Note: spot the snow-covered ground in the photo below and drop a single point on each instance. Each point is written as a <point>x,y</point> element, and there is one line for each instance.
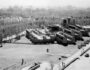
<point>11,54</point>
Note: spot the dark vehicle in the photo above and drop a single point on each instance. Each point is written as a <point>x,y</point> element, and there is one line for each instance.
<point>53,29</point>
<point>49,38</point>
<point>84,31</point>
<point>61,39</point>
<point>69,32</point>
<point>77,33</point>
<point>70,38</point>
<point>35,37</point>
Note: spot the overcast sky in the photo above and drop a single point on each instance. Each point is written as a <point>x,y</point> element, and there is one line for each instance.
<point>44,3</point>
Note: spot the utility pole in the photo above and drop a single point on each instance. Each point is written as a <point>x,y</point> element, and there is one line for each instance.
<point>1,39</point>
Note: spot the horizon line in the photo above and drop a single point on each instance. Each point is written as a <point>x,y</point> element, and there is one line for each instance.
<point>48,7</point>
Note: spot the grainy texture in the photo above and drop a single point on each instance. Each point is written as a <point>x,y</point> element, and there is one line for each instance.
<point>12,53</point>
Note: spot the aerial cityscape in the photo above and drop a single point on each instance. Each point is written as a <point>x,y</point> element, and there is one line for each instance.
<point>44,34</point>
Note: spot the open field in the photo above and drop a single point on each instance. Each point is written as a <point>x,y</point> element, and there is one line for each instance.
<point>11,54</point>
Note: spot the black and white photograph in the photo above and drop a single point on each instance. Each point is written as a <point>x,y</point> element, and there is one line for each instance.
<point>44,34</point>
